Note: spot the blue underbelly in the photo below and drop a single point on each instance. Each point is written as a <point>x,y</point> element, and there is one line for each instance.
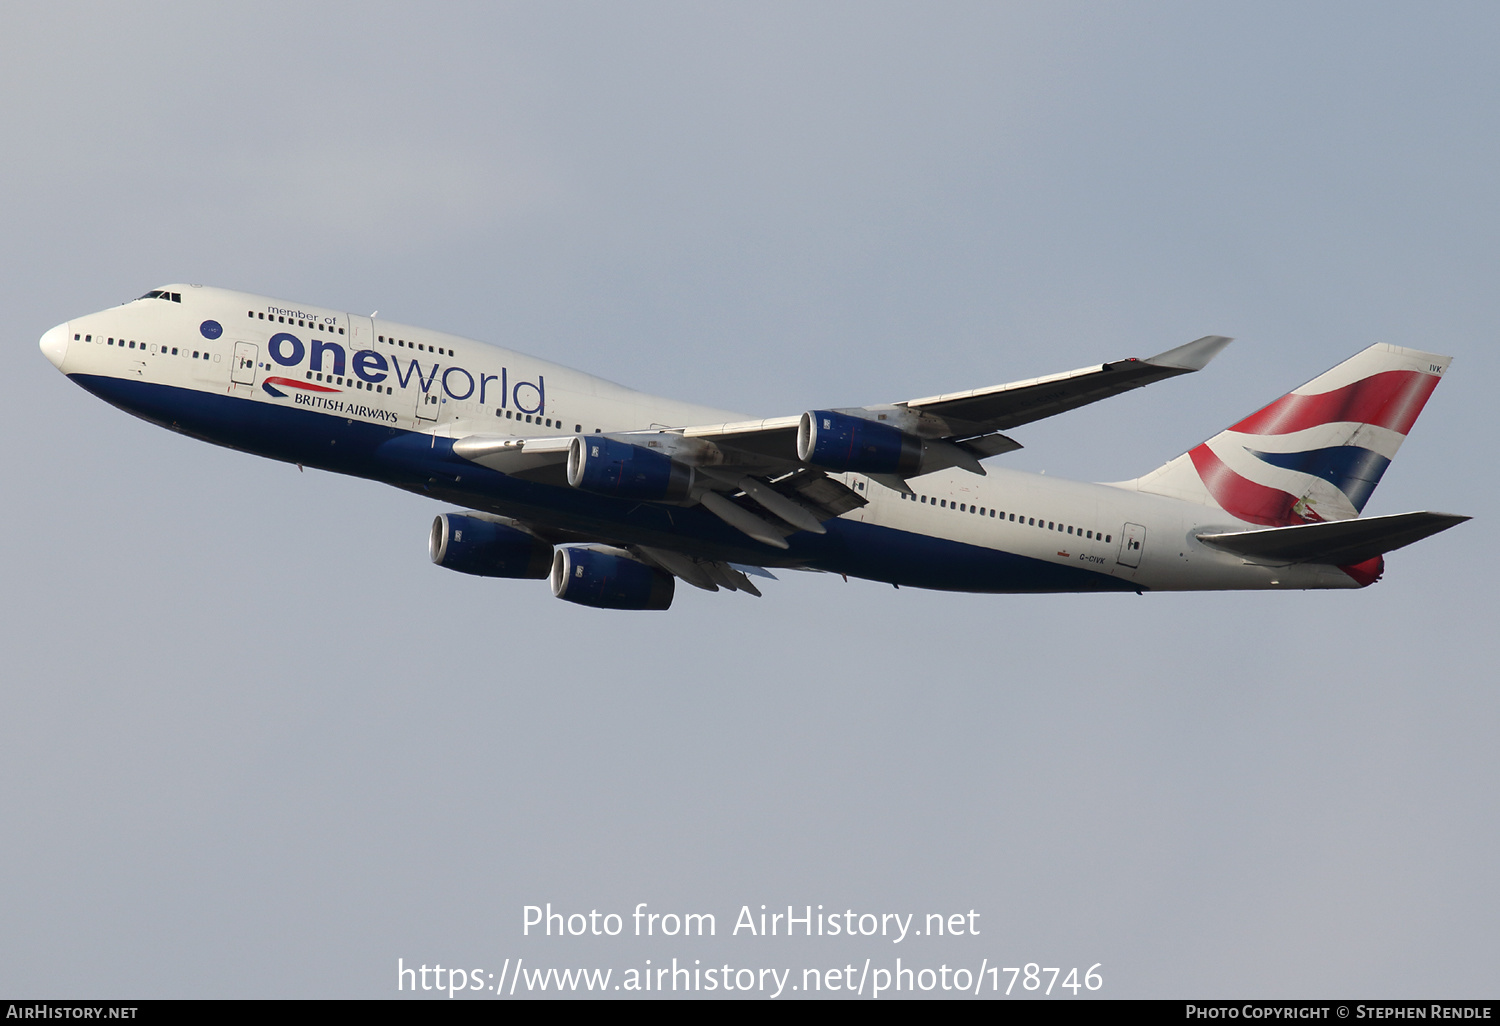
<point>424,464</point>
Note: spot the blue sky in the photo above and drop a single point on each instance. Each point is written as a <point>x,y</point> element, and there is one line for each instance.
<point>256,745</point>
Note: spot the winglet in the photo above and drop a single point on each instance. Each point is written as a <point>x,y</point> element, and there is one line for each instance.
<point>1193,356</point>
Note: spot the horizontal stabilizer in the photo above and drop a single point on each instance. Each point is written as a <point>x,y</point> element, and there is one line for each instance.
<point>1337,543</point>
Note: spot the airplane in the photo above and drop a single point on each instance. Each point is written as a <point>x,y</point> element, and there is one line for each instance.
<point>614,495</point>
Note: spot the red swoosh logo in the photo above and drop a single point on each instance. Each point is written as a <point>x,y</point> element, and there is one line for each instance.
<point>306,386</point>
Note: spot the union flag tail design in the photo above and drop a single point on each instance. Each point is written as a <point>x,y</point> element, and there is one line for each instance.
<point>1315,454</point>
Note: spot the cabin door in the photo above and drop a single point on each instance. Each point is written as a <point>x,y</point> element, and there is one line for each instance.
<point>1131,544</point>
<point>243,372</point>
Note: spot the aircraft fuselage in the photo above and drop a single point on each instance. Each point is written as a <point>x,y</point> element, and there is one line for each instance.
<point>375,399</point>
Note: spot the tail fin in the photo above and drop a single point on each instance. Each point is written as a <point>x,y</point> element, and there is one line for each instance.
<point>1316,453</point>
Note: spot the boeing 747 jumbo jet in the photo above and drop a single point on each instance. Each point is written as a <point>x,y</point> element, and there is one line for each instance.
<point>615,494</point>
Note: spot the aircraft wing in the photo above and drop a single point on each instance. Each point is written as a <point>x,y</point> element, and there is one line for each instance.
<point>771,444</point>
<point>972,419</point>
<point>750,474</point>
<point>984,410</point>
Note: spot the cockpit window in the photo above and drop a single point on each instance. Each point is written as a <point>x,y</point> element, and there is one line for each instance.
<point>174,297</point>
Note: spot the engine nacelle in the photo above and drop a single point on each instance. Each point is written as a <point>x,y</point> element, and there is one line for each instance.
<point>604,580</point>
<point>472,544</point>
<point>837,441</point>
<point>606,466</point>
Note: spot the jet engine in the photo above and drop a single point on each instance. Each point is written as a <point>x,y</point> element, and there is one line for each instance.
<point>839,442</point>
<point>474,544</point>
<point>607,466</point>
<point>606,580</point>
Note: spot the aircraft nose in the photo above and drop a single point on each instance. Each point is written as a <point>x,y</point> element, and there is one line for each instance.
<point>55,344</point>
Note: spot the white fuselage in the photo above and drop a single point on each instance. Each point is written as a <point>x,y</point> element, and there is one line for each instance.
<point>161,359</point>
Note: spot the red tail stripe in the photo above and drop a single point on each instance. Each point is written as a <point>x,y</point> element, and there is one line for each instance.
<point>1241,497</point>
<point>1391,399</point>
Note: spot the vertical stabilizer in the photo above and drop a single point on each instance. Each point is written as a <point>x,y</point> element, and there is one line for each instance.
<point>1315,454</point>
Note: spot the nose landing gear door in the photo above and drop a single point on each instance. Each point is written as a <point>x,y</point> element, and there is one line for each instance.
<point>243,372</point>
